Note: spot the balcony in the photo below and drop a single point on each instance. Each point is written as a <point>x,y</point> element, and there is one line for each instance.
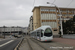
<point>70,13</point>
<point>47,12</point>
<point>65,19</point>
<point>64,12</point>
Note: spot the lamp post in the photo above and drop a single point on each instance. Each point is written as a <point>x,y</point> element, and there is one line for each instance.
<point>4,31</point>
<point>60,17</point>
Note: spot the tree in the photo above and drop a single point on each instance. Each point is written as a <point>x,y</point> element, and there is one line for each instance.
<point>74,18</point>
<point>74,23</point>
<point>69,26</point>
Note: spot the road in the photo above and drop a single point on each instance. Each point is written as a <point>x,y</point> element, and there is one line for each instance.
<point>9,44</point>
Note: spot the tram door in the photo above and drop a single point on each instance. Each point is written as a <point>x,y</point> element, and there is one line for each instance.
<point>38,34</point>
<point>35,34</point>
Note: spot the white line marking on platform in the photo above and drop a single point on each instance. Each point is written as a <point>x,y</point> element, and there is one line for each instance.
<point>6,43</point>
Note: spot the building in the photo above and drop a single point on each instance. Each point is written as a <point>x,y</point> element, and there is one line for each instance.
<point>25,30</point>
<point>31,23</point>
<point>45,15</point>
<point>30,26</point>
<point>10,30</point>
<point>28,29</point>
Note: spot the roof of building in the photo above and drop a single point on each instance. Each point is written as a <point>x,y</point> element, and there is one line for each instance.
<point>51,7</point>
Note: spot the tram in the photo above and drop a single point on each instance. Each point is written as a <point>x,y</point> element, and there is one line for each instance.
<point>43,33</point>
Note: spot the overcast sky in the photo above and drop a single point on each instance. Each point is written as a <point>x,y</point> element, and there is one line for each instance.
<point>18,12</point>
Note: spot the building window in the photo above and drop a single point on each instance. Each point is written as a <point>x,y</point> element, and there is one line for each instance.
<point>46,9</point>
<point>52,10</point>
<point>42,9</point>
<point>55,29</point>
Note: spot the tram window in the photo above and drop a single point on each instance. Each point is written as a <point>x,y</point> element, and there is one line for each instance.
<point>48,32</point>
<point>32,34</point>
<point>42,33</point>
<point>38,33</point>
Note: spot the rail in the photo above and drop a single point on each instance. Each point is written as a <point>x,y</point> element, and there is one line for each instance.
<point>38,43</point>
<point>29,44</point>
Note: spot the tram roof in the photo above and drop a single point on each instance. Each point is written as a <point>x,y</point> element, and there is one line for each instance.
<point>42,27</point>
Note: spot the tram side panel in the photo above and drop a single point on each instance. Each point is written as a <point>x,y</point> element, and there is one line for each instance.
<point>45,34</point>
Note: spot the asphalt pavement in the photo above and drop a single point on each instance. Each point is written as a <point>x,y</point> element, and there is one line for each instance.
<point>9,44</point>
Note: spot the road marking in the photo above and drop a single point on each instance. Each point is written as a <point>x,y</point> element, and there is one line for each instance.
<point>6,43</point>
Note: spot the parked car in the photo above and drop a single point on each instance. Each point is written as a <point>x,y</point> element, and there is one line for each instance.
<point>18,36</point>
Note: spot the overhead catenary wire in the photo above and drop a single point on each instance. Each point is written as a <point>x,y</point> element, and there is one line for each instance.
<point>54,1</point>
<point>52,12</point>
<point>33,3</point>
<point>70,3</point>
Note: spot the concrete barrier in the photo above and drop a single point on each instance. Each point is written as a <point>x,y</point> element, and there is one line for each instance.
<point>17,47</point>
<point>69,36</point>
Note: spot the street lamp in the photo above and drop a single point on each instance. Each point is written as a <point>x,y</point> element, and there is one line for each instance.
<point>4,31</point>
<point>60,17</point>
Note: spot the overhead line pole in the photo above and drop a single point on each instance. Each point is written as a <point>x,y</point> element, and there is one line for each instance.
<point>60,18</point>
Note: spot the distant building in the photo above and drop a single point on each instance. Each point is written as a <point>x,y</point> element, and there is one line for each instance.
<point>25,30</point>
<point>31,23</point>
<point>28,29</point>
<point>11,30</point>
<point>30,26</point>
<point>45,15</point>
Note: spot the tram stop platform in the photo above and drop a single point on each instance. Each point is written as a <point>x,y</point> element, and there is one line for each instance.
<point>65,41</point>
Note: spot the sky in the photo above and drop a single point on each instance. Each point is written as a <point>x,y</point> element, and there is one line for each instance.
<point>18,12</point>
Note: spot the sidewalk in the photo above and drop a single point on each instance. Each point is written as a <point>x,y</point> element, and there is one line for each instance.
<point>7,37</point>
<point>65,41</point>
<point>1,39</point>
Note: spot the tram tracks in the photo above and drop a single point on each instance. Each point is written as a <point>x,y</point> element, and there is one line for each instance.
<point>53,45</point>
<point>29,44</point>
<point>33,45</point>
<point>37,42</point>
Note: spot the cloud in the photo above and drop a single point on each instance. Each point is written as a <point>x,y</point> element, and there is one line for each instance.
<point>18,12</point>
<point>14,23</point>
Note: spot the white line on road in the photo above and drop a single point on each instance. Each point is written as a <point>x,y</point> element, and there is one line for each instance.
<point>6,43</point>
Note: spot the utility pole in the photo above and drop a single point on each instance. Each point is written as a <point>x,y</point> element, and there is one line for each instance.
<point>60,17</point>
<point>4,31</point>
